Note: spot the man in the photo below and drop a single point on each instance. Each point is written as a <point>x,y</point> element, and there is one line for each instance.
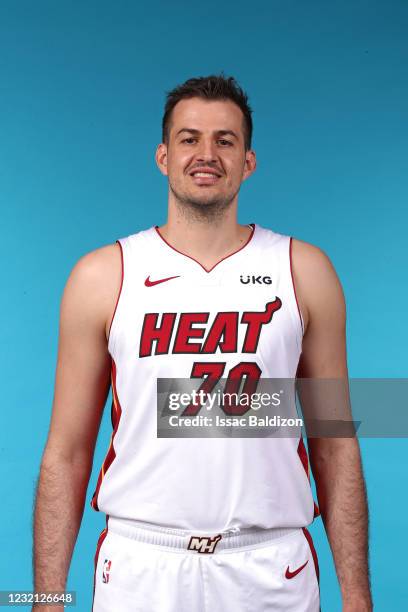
<point>201,297</point>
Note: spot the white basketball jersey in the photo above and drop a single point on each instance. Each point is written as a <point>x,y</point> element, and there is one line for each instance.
<point>175,319</point>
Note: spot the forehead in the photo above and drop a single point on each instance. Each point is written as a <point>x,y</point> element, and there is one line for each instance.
<point>203,115</point>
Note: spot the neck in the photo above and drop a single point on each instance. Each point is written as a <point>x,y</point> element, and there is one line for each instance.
<point>207,242</point>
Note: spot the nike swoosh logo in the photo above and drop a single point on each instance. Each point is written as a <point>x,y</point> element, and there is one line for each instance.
<point>290,574</point>
<point>150,283</point>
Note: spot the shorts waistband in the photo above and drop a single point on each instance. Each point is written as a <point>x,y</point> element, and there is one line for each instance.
<point>196,541</point>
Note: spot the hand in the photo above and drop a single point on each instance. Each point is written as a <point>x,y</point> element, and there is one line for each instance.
<point>42,608</point>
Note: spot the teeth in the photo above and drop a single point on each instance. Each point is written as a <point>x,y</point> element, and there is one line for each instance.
<point>203,174</point>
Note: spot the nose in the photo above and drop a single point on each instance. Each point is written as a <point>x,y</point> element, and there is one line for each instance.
<point>206,151</point>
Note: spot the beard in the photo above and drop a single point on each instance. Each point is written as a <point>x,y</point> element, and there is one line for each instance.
<point>203,210</point>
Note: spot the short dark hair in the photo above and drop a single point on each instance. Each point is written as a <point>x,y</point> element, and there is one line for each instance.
<point>213,87</point>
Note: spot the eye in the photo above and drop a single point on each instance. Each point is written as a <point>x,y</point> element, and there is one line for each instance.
<point>225,142</point>
<point>187,139</point>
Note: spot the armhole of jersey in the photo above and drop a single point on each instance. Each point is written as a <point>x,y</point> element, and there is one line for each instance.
<point>293,285</point>
<point>114,316</point>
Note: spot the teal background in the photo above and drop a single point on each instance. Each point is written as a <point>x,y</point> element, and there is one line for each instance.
<point>81,96</point>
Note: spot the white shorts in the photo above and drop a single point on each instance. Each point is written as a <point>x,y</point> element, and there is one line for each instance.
<point>143,568</point>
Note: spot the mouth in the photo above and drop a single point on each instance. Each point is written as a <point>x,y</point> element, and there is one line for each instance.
<point>201,177</point>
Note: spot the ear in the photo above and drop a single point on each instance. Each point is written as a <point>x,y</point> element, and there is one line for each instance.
<point>249,165</point>
<point>161,158</point>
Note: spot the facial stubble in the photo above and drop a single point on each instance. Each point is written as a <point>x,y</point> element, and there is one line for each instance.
<point>202,210</point>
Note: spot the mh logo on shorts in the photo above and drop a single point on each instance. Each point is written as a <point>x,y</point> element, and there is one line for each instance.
<point>203,544</point>
<point>106,569</point>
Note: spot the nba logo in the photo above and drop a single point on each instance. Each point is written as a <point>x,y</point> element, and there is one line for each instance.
<point>106,570</point>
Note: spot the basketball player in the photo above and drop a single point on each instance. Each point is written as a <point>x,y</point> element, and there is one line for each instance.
<point>199,524</point>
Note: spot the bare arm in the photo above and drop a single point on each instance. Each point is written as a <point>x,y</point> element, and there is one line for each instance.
<point>335,462</point>
<point>81,387</point>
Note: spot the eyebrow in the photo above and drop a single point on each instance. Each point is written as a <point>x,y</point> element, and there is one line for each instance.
<point>218,132</point>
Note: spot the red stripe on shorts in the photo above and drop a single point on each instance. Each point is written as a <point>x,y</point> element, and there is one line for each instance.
<point>101,538</point>
<point>313,551</point>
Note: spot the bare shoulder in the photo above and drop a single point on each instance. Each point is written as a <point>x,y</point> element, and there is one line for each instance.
<point>94,283</point>
<point>317,284</point>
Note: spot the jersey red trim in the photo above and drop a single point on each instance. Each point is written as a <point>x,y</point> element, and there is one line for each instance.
<point>302,452</point>
<point>304,458</point>
<point>120,289</point>
<point>156,227</point>
<point>116,413</point>
<point>101,538</point>
<point>293,284</point>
